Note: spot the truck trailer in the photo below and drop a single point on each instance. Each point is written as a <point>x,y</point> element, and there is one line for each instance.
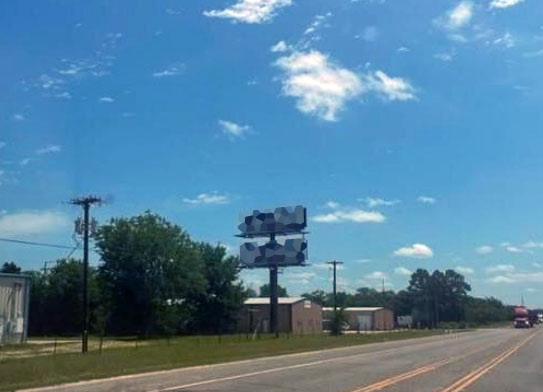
<point>521,318</point>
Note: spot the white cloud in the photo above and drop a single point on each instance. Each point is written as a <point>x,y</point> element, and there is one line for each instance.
<point>106,100</point>
<point>51,148</point>
<point>403,49</point>
<point>444,56</point>
<point>537,265</point>
<point>370,34</point>
<point>504,3</point>
<point>2,145</point>
<point>389,88</point>
<point>279,47</point>
<point>208,198</point>
<point>484,250</point>
<point>377,202</point>
<point>332,204</point>
<point>18,117</point>
<point>457,17</point>
<point>173,70</point>
<point>418,251</point>
<point>376,275</point>
<point>321,87</point>
<point>500,268</point>
<point>234,130</point>
<point>317,23</point>
<point>363,261</point>
<point>514,249</point>
<point>350,215</point>
<point>505,40</point>
<point>426,200</point>
<point>501,279</point>
<point>25,161</point>
<point>464,270</point>
<point>250,11</point>
<point>402,271</point>
<point>532,245</point>
<point>32,223</point>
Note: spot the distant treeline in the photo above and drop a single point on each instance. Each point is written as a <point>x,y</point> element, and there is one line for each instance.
<point>153,279</point>
<point>433,300</point>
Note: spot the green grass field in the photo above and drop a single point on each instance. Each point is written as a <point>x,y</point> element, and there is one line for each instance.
<point>135,357</point>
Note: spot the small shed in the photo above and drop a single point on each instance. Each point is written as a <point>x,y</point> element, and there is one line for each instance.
<point>14,302</point>
<point>365,319</point>
<point>295,315</point>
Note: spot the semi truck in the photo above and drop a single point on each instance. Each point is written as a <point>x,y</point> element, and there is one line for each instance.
<point>521,318</point>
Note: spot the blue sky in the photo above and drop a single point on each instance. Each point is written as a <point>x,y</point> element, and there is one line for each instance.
<point>410,129</point>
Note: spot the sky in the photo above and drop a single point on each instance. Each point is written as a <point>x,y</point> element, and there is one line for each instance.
<point>410,129</point>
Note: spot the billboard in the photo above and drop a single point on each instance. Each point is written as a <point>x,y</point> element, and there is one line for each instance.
<point>282,220</point>
<point>293,252</point>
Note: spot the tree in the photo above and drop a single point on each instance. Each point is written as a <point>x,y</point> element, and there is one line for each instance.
<point>10,268</point>
<point>151,275</point>
<point>318,296</point>
<point>220,303</point>
<point>265,291</point>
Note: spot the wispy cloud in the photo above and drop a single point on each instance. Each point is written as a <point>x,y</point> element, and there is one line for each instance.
<point>18,117</point>
<point>378,202</point>
<point>500,268</point>
<point>402,271</point>
<point>533,244</point>
<point>354,215</point>
<point>464,270</point>
<point>233,130</point>
<point>369,34</point>
<point>25,161</point>
<point>457,17</point>
<point>426,200</point>
<point>279,47</point>
<point>506,41</point>
<point>504,3</point>
<point>250,11</point>
<point>2,144</point>
<point>318,22</point>
<point>106,100</point>
<point>444,56</point>
<point>208,198</point>
<point>173,70</point>
<point>389,88</point>
<point>416,251</point>
<point>484,250</point>
<point>514,249</point>
<point>51,148</point>
<point>348,214</point>
<point>32,223</point>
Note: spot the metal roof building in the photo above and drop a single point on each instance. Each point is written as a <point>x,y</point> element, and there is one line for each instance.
<point>14,302</point>
<point>365,319</point>
<point>296,315</point>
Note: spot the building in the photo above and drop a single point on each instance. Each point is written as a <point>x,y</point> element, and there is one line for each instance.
<point>14,301</point>
<point>364,319</point>
<point>295,315</point>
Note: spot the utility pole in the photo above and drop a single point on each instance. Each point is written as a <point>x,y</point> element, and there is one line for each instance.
<point>86,202</point>
<point>45,267</point>
<point>335,264</point>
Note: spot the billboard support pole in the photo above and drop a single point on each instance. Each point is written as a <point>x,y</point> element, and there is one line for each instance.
<point>274,313</point>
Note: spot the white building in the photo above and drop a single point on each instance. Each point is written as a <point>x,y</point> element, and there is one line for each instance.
<point>14,302</point>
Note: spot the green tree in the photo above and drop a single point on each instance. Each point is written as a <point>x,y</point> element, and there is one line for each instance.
<point>10,268</point>
<point>318,296</point>
<point>265,291</point>
<point>150,276</point>
<point>219,305</point>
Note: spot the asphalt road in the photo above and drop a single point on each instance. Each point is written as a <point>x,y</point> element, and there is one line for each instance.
<point>480,361</point>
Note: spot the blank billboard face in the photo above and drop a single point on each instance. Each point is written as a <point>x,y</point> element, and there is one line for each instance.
<point>279,220</point>
<point>294,252</point>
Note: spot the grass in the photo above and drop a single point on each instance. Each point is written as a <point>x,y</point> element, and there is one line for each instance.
<point>167,354</point>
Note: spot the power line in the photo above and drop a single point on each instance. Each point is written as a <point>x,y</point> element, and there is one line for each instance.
<point>44,244</point>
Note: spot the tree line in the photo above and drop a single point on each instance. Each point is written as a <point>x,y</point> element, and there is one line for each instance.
<point>432,299</point>
<point>153,279</point>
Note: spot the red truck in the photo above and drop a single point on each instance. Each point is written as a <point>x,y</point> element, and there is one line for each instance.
<point>521,318</point>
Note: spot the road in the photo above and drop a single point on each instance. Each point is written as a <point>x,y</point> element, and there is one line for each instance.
<point>479,361</point>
